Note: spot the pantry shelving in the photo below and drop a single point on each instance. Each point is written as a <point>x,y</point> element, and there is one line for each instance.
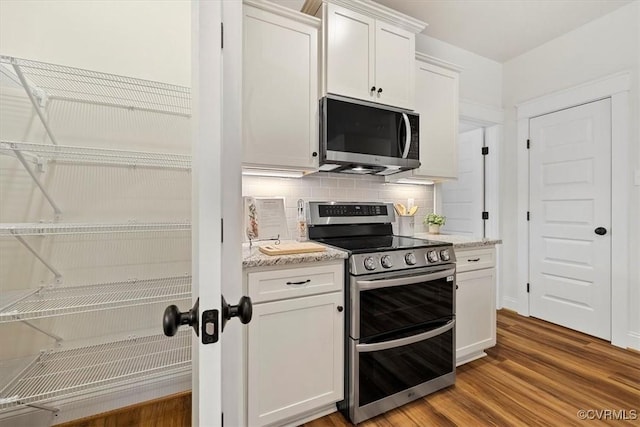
<point>48,301</point>
<point>40,153</point>
<point>72,368</point>
<point>60,373</point>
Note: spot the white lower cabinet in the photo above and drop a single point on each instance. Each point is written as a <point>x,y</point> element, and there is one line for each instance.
<point>475,303</point>
<point>295,345</point>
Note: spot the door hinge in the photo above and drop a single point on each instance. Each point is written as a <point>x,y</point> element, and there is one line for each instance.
<point>485,151</point>
<point>528,216</point>
<point>528,144</point>
<point>221,35</point>
<point>485,215</point>
<point>527,288</point>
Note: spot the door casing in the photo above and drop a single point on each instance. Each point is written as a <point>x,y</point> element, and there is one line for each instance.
<point>616,87</point>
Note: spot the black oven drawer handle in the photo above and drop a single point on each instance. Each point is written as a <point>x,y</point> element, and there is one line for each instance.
<point>364,285</point>
<point>363,348</point>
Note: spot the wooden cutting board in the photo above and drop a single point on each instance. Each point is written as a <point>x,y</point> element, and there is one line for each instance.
<point>292,248</point>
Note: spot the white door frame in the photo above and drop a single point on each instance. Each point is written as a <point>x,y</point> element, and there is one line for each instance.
<point>233,380</point>
<point>491,119</point>
<point>616,87</point>
<point>206,71</point>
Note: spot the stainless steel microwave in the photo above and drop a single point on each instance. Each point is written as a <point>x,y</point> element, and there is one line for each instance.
<point>365,138</point>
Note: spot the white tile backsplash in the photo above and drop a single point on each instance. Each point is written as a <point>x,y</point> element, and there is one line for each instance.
<point>323,186</point>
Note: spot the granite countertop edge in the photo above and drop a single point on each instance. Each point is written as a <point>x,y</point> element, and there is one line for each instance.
<point>252,257</point>
<point>461,242</point>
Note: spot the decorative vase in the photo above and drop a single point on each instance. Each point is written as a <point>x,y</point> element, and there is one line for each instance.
<point>434,229</point>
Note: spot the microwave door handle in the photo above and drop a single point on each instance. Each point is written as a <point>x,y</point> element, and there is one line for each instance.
<point>407,142</point>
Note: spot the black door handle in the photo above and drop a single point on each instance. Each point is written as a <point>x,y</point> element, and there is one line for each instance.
<point>379,91</point>
<point>173,319</point>
<point>600,231</point>
<point>243,311</point>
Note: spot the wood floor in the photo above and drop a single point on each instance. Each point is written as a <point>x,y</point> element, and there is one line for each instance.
<point>538,374</point>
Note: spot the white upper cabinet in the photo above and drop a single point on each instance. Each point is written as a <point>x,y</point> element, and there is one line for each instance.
<point>394,75</point>
<point>436,93</point>
<point>351,53</point>
<point>280,88</point>
<point>368,51</point>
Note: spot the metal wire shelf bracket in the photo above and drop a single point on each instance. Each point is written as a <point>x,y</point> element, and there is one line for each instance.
<point>48,302</point>
<point>58,338</point>
<point>51,229</point>
<point>97,88</point>
<point>53,204</point>
<point>63,373</point>
<point>56,273</point>
<point>28,89</point>
<point>65,153</point>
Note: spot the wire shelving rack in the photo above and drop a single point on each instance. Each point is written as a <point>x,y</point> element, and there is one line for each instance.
<point>57,301</point>
<point>62,373</point>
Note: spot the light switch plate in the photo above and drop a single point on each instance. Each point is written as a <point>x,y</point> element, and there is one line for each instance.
<point>637,179</point>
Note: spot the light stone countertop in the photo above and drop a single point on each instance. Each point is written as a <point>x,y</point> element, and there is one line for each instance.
<point>254,258</point>
<point>461,242</point>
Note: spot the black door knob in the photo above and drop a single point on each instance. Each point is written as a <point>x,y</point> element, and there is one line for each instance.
<point>600,231</point>
<point>340,308</point>
<point>173,319</point>
<point>243,311</point>
<point>379,91</point>
<point>373,89</point>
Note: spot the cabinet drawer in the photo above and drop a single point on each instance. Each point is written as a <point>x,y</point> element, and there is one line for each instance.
<point>475,259</point>
<point>293,282</point>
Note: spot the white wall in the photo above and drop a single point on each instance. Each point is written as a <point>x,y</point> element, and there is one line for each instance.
<point>607,45</point>
<point>480,79</point>
<point>145,39</point>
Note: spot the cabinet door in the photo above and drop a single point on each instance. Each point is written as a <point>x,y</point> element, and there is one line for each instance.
<point>436,100</point>
<point>475,313</point>
<point>394,66</point>
<point>350,53</point>
<point>295,357</point>
<point>280,91</point>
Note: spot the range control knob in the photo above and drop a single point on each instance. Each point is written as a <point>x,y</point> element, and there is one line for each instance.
<point>432,256</point>
<point>386,261</point>
<point>410,258</point>
<point>444,255</point>
<point>369,263</point>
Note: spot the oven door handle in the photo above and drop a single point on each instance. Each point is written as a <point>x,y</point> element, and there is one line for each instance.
<point>364,285</point>
<point>363,348</point>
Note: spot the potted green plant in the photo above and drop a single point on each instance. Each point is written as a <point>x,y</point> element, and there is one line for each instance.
<point>434,221</point>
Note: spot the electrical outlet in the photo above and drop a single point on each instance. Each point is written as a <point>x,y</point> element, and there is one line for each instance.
<point>637,179</point>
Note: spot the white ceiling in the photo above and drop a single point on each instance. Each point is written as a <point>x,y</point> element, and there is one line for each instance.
<point>497,29</point>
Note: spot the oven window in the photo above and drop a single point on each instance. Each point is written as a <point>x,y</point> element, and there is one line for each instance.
<point>398,307</point>
<point>386,372</point>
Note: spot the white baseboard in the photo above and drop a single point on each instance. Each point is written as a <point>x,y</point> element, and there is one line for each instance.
<point>633,340</point>
<point>510,303</point>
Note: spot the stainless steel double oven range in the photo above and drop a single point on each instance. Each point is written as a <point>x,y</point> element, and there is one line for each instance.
<point>400,299</point>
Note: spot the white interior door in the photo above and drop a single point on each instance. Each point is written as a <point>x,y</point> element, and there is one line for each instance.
<point>206,205</point>
<point>570,197</point>
<point>463,200</point>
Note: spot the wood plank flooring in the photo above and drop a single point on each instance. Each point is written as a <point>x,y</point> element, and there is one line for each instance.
<point>539,374</point>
